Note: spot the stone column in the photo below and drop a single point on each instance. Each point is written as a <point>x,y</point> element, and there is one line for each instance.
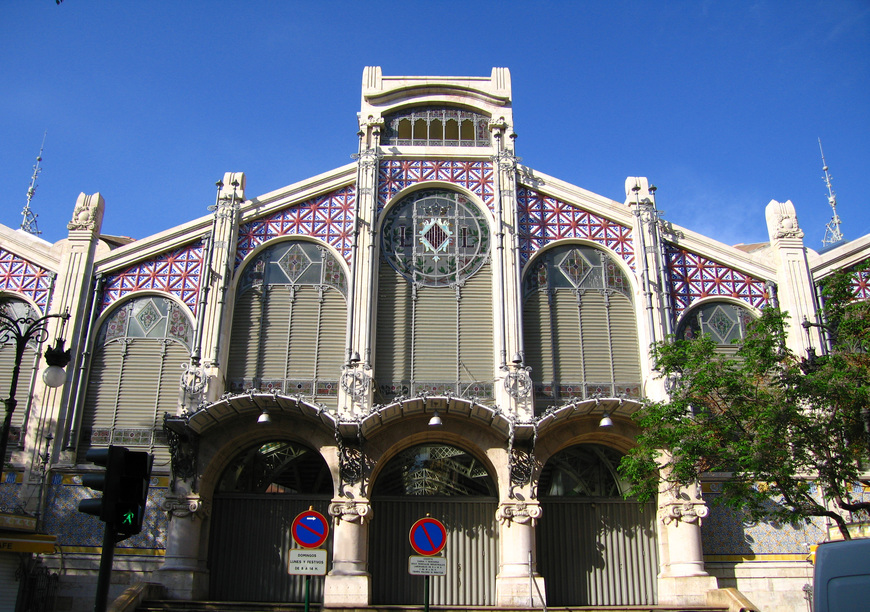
<point>349,583</point>
<point>683,580</point>
<point>516,533</point>
<point>184,573</point>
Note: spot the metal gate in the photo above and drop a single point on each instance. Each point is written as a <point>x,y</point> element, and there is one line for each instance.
<point>598,552</point>
<point>248,549</point>
<point>471,550</point>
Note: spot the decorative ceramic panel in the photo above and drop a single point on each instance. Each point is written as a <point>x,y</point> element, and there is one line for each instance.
<point>396,174</point>
<point>177,272</point>
<point>21,276</point>
<point>328,217</point>
<point>861,285</point>
<point>693,277</point>
<point>544,219</point>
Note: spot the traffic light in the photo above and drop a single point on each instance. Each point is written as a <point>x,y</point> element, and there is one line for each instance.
<point>133,486</point>
<point>124,485</point>
<point>111,458</point>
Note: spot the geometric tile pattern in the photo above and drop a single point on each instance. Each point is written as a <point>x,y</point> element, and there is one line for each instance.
<point>693,277</point>
<point>22,276</point>
<point>396,174</point>
<point>861,285</point>
<point>74,528</point>
<point>177,272</point>
<point>544,219</point>
<point>328,217</point>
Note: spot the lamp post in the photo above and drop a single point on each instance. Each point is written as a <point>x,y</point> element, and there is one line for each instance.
<point>21,330</point>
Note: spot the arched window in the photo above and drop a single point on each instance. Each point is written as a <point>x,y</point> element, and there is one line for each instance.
<point>580,331</point>
<point>724,322</point>
<point>434,319</point>
<point>135,373</point>
<point>585,470</point>
<point>436,126</point>
<point>434,470</point>
<point>289,323</point>
<point>17,309</point>
<point>279,467</point>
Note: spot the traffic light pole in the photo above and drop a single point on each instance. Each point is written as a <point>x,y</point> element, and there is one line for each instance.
<point>105,575</point>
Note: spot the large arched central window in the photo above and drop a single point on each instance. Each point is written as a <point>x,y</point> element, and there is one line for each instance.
<point>434,320</point>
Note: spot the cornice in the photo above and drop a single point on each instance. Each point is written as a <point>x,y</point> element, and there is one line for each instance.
<point>843,256</point>
<point>33,249</point>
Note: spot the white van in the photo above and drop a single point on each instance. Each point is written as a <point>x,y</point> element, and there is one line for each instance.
<point>841,582</point>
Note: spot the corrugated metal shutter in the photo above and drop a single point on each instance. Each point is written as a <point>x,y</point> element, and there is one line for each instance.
<point>436,346</point>
<point>330,342</point>
<point>598,552</point>
<point>104,381</point>
<point>569,364</point>
<point>7,363</point>
<point>248,550</point>
<point>393,327</point>
<point>9,584</point>
<point>274,329</point>
<point>245,337</point>
<point>303,334</point>
<point>138,391</point>
<point>471,551</point>
<point>623,336</point>
<point>595,331</point>
<point>475,328</point>
<point>538,339</point>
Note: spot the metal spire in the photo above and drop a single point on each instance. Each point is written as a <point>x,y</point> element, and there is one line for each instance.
<point>832,230</point>
<point>28,223</point>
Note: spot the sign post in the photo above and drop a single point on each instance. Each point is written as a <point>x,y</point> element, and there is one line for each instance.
<point>428,537</point>
<point>310,529</point>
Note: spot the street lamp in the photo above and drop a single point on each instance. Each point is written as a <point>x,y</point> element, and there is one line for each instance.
<point>21,331</point>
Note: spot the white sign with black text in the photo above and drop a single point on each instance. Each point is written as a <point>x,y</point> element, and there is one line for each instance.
<point>427,566</point>
<point>307,561</point>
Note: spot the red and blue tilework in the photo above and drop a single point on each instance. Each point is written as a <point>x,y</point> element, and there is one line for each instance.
<point>693,277</point>
<point>328,217</point>
<point>177,272</point>
<point>21,276</point>
<point>396,174</point>
<point>544,219</point>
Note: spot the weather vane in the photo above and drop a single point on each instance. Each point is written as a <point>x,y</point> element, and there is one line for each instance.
<point>28,223</point>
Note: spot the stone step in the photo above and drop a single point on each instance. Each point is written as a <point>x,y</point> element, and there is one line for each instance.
<point>239,606</point>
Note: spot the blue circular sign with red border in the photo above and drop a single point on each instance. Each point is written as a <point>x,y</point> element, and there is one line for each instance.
<point>310,529</point>
<point>428,536</point>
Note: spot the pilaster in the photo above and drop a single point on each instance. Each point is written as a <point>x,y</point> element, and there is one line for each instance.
<point>184,573</point>
<point>72,288</point>
<point>793,278</point>
<point>206,373</point>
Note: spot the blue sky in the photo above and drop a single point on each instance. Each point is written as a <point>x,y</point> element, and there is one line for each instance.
<point>720,104</point>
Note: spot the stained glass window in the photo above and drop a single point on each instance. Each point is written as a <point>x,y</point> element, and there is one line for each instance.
<point>724,322</point>
<point>435,237</point>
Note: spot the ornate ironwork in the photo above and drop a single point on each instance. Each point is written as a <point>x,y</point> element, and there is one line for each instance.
<point>183,448</point>
<point>351,459</point>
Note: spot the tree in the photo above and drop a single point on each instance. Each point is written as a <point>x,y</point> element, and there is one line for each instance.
<point>791,433</point>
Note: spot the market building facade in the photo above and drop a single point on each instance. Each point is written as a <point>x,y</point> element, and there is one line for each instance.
<point>435,329</point>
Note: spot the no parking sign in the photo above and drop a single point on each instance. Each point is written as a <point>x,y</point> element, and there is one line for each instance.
<point>428,536</point>
<point>310,529</point>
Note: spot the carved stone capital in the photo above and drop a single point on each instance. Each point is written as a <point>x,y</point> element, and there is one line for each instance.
<point>518,512</point>
<point>351,511</point>
<point>183,506</point>
<point>686,511</point>
<point>88,213</point>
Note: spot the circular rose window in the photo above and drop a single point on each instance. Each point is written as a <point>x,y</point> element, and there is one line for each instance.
<point>435,237</point>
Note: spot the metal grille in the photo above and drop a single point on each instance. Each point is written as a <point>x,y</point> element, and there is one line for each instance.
<point>471,551</point>
<point>598,552</point>
<point>248,550</point>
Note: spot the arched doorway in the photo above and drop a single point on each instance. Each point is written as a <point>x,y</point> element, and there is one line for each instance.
<point>453,486</point>
<point>256,499</point>
<point>595,548</point>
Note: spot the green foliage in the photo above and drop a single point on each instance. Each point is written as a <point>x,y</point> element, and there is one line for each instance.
<point>789,433</point>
